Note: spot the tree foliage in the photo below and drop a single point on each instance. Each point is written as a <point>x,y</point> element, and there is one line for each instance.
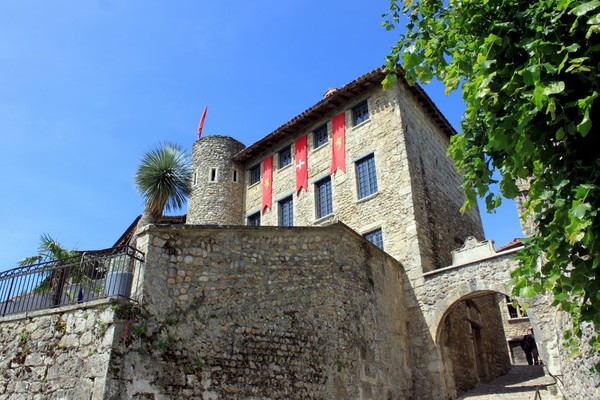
<point>528,71</point>
<point>163,178</point>
<point>49,250</point>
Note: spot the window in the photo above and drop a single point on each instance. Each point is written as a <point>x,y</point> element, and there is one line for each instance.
<point>286,212</point>
<point>514,312</point>
<point>234,176</point>
<point>375,237</point>
<point>213,175</point>
<point>323,197</point>
<point>320,135</point>
<point>254,219</point>
<point>360,112</point>
<point>255,174</point>
<point>285,156</point>
<point>194,179</point>
<point>366,176</point>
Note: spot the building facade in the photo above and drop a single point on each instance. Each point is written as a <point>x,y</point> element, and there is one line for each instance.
<point>396,185</point>
<point>316,263</point>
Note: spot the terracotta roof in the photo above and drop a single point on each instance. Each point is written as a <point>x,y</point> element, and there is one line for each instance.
<point>514,244</point>
<point>337,99</point>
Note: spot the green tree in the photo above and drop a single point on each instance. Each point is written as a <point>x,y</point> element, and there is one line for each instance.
<point>55,255</point>
<point>49,250</point>
<point>163,179</point>
<point>528,71</point>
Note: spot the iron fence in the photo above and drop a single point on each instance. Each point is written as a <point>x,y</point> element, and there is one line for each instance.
<point>89,276</point>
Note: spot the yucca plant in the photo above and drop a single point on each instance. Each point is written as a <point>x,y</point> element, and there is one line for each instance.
<point>163,179</point>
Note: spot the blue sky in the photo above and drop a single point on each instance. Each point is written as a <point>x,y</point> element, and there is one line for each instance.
<point>86,87</point>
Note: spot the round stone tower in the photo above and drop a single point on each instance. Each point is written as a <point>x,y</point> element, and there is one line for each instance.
<point>217,182</point>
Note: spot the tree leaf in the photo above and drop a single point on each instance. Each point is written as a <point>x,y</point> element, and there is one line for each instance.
<point>554,88</point>
<point>584,8</point>
<point>527,292</point>
<point>585,125</point>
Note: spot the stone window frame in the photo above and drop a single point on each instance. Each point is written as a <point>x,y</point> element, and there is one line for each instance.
<point>281,216</point>
<point>195,177</point>
<point>326,184</point>
<point>323,128</point>
<point>235,175</point>
<point>254,174</point>
<point>283,159</point>
<point>253,219</point>
<point>375,236</point>
<point>213,175</point>
<point>360,112</point>
<point>365,169</point>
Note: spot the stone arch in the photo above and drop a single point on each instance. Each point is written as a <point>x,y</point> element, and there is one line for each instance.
<point>461,293</point>
<point>470,338</point>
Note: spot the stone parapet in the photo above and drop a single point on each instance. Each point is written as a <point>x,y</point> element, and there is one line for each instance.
<point>243,312</point>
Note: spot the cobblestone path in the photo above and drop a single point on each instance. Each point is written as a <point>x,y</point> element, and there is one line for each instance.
<point>520,383</point>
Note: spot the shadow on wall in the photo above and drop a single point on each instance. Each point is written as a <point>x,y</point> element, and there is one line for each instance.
<point>276,312</point>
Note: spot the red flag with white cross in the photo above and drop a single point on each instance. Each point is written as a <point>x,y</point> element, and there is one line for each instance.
<point>338,147</point>
<point>301,164</point>
<point>267,184</point>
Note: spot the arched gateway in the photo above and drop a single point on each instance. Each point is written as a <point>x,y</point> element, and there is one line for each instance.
<point>468,293</point>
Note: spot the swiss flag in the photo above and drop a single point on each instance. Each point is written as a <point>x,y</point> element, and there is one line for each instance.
<point>301,165</point>
<point>267,184</point>
<point>338,147</point>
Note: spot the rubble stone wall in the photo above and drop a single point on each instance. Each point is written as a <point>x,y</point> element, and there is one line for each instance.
<point>273,313</point>
<point>435,186</point>
<point>217,182</point>
<point>472,343</point>
<point>58,354</point>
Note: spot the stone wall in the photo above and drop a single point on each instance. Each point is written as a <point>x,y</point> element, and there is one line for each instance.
<point>277,313</point>
<point>578,380</point>
<point>514,330</point>
<point>472,343</point>
<point>417,204</point>
<point>217,182</point>
<point>435,186</point>
<point>491,275</point>
<point>58,354</point>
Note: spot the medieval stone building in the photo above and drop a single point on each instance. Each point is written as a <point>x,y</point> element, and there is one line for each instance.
<point>317,263</point>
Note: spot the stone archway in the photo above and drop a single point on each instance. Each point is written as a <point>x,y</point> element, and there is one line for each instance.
<point>471,341</point>
<point>482,277</point>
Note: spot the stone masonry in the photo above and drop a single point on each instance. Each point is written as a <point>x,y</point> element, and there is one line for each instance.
<point>279,313</point>
<point>60,354</point>
<point>313,311</point>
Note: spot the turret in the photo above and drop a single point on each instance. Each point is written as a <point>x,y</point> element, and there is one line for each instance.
<point>217,182</point>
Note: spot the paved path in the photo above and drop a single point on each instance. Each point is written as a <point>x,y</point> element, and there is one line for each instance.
<point>519,384</point>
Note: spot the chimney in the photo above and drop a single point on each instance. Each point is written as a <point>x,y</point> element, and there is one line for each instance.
<point>329,92</point>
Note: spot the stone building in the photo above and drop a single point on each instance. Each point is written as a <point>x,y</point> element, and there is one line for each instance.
<point>316,263</point>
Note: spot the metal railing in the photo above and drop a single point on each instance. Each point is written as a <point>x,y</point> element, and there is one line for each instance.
<point>89,276</point>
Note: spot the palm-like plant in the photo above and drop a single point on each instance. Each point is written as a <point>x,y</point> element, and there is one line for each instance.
<point>49,250</point>
<point>52,253</point>
<point>163,179</point>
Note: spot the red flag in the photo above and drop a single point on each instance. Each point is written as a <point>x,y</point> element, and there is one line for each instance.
<point>338,147</point>
<point>301,165</point>
<point>267,184</point>
<point>201,124</point>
